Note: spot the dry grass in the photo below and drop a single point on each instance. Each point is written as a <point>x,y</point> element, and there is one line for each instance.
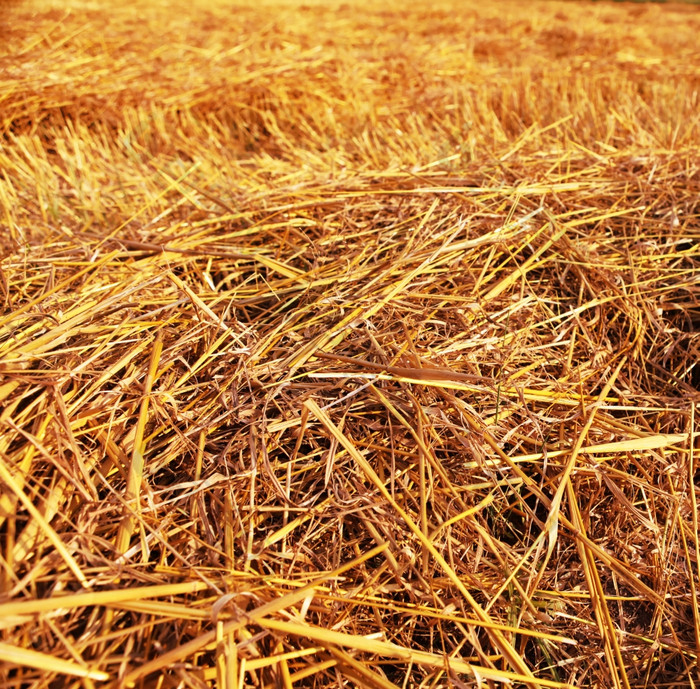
<point>349,345</point>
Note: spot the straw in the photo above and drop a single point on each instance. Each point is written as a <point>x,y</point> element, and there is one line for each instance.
<point>349,344</point>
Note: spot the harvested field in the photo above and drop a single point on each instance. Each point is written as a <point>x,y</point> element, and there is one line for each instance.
<point>349,345</point>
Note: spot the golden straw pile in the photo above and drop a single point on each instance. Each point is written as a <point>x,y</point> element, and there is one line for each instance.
<point>349,345</point>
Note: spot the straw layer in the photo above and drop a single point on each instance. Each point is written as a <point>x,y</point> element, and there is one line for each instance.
<point>345,345</point>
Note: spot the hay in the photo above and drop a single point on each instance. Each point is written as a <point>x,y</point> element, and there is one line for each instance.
<point>346,345</point>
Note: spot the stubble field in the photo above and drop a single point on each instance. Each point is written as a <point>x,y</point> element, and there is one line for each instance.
<point>349,344</point>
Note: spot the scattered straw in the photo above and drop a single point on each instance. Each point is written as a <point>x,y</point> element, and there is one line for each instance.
<point>349,345</point>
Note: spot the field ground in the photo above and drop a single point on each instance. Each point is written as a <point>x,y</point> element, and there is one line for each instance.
<point>349,344</point>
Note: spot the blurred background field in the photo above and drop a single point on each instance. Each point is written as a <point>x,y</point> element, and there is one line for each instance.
<point>349,344</point>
